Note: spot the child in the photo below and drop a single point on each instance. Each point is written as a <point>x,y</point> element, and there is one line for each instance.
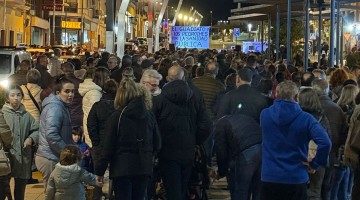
<point>68,178</point>
<point>84,148</point>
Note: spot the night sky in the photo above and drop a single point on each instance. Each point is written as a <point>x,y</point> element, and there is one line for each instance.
<point>220,8</point>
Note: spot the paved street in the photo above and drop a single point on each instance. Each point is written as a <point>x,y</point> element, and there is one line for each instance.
<point>218,190</point>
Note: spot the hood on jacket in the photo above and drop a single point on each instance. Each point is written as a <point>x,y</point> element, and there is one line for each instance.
<point>52,98</point>
<point>66,175</point>
<point>8,109</point>
<point>135,109</point>
<point>177,91</point>
<point>284,112</point>
<point>87,86</point>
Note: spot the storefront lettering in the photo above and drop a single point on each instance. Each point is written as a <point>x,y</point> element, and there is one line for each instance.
<point>71,25</point>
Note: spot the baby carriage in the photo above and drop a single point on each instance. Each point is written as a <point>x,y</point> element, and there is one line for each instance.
<point>199,180</point>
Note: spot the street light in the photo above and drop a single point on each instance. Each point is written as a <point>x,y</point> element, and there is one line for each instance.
<point>185,19</point>
<point>249,27</point>
<point>180,16</point>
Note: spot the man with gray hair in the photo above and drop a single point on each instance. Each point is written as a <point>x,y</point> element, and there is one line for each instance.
<point>337,122</point>
<point>55,64</point>
<point>183,123</point>
<point>286,133</point>
<point>150,79</point>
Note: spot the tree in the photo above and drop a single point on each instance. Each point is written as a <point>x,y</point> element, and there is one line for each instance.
<point>297,33</point>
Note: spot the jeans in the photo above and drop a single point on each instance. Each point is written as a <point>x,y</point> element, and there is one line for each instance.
<point>130,187</point>
<point>339,190</point>
<point>355,195</point>
<point>176,174</point>
<point>278,191</point>
<point>19,189</point>
<point>44,166</point>
<point>316,180</point>
<point>328,183</point>
<point>5,190</point>
<point>244,179</point>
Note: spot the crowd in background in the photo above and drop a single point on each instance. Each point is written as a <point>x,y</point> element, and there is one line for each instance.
<point>149,116</point>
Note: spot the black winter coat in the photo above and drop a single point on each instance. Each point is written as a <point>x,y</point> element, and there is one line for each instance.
<point>131,148</point>
<point>245,100</point>
<point>234,134</point>
<point>98,115</point>
<point>183,120</point>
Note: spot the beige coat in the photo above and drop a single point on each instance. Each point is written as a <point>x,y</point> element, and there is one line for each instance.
<point>28,103</point>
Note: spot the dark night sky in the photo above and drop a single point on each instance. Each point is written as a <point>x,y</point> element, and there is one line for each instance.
<point>220,8</point>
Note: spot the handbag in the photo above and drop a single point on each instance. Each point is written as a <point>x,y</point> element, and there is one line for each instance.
<point>5,167</point>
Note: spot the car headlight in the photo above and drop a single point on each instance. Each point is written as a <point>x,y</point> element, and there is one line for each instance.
<point>4,83</point>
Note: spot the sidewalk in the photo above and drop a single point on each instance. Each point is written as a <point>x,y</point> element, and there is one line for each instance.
<point>217,190</point>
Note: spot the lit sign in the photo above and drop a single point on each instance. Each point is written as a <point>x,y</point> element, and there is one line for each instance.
<point>253,47</point>
<point>190,36</point>
<point>69,24</point>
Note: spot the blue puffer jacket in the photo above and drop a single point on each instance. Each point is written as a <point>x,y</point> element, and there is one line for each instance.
<point>55,128</point>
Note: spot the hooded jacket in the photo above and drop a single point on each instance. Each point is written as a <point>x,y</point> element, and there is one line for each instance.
<point>130,142</point>
<point>91,93</point>
<point>67,183</point>
<point>287,131</point>
<point>22,126</point>
<point>55,128</point>
<point>183,120</point>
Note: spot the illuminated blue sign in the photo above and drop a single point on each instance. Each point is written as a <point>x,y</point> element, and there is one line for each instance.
<point>190,36</point>
<point>253,47</point>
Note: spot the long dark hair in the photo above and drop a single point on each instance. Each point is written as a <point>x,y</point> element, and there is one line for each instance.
<point>60,82</point>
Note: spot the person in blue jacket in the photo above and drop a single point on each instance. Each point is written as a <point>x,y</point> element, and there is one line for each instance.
<point>287,131</point>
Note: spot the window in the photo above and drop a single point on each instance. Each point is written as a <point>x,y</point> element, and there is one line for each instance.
<point>5,64</point>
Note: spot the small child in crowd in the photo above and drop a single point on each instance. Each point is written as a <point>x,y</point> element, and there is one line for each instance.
<point>68,178</point>
<point>84,148</point>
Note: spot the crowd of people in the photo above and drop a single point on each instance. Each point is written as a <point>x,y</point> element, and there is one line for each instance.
<point>277,130</point>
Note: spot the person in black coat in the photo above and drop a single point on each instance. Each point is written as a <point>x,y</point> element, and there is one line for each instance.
<point>183,123</point>
<point>132,138</point>
<point>245,98</point>
<point>99,114</point>
<point>238,153</point>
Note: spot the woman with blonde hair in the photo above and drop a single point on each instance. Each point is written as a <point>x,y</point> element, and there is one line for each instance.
<point>132,138</point>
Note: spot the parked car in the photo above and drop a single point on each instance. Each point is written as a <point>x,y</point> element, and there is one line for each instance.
<point>10,58</point>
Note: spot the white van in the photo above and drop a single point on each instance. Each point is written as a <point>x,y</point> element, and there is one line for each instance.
<point>10,58</point>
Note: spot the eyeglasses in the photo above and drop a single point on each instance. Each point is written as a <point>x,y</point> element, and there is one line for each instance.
<point>152,85</point>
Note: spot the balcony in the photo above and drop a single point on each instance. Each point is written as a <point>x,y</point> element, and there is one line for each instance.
<point>17,4</point>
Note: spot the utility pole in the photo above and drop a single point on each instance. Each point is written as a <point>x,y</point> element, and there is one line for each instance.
<point>53,23</point>
<point>210,22</point>
<point>82,23</point>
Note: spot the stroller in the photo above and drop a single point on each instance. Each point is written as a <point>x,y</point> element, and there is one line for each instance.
<point>199,180</point>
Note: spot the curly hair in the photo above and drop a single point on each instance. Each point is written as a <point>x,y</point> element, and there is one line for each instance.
<point>338,77</point>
